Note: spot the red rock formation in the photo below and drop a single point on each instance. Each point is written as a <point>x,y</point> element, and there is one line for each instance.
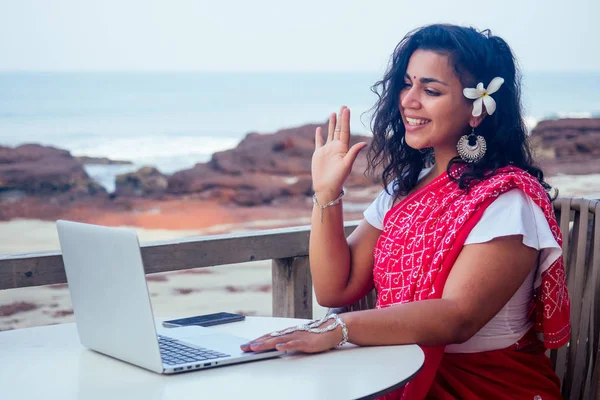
<point>261,169</point>
<point>101,161</point>
<point>45,182</point>
<point>40,171</point>
<point>568,146</point>
<point>146,181</point>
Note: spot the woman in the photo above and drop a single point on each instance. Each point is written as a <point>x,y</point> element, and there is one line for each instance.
<point>465,254</point>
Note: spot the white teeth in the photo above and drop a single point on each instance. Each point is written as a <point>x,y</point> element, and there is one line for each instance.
<point>414,121</point>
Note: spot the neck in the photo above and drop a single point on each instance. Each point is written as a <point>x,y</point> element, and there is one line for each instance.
<point>442,158</point>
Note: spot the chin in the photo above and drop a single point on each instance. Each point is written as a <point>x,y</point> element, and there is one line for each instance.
<point>416,144</point>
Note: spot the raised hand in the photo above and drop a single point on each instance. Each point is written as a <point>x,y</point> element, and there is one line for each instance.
<point>332,161</point>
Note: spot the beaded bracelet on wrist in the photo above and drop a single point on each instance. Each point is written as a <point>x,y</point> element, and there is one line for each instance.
<point>329,204</point>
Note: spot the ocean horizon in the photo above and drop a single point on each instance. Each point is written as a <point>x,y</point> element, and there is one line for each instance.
<point>173,120</point>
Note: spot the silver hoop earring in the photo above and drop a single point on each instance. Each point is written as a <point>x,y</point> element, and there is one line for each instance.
<point>471,148</point>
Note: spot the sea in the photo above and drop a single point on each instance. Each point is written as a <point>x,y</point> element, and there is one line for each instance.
<point>173,120</point>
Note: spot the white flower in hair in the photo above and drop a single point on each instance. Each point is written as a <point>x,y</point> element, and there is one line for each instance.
<point>481,96</point>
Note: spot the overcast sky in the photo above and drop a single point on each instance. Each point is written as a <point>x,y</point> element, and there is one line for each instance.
<point>278,35</point>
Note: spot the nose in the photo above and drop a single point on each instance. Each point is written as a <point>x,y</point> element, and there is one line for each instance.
<point>409,98</point>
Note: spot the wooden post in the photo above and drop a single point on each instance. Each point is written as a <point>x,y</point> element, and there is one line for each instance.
<point>292,288</point>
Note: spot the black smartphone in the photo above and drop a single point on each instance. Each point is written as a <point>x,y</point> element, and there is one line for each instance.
<point>205,320</point>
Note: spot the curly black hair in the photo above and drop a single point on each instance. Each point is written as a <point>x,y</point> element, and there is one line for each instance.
<point>476,57</point>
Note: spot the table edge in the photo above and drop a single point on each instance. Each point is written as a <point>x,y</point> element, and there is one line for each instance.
<point>393,387</point>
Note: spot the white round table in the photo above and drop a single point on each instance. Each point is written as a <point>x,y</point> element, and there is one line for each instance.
<point>49,362</point>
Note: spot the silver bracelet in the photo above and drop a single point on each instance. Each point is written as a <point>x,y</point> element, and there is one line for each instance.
<point>331,203</point>
<point>313,327</point>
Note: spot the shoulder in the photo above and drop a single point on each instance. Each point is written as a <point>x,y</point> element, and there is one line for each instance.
<point>513,174</point>
<point>510,177</point>
<point>513,213</point>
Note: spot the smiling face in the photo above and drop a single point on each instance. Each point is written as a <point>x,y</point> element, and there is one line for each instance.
<point>433,108</point>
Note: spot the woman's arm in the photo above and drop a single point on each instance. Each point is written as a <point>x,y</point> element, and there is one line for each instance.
<point>483,279</point>
<point>342,269</point>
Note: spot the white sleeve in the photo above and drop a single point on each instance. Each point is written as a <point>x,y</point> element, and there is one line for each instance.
<point>375,213</point>
<point>515,213</point>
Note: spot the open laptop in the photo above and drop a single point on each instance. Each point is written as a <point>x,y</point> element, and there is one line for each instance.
<point>113,311</point>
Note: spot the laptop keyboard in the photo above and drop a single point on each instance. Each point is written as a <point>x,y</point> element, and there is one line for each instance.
<point>174,352</point>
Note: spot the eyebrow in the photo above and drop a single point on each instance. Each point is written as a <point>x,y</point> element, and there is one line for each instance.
<point>427,80</point>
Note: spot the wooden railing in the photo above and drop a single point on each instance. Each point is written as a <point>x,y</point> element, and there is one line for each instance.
<point>287,248</point>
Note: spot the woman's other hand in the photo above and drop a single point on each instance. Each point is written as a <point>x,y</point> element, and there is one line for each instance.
<point>332,161</point>
<point>306,342</point>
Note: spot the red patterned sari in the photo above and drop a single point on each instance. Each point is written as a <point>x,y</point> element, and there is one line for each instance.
<point>421,239</point>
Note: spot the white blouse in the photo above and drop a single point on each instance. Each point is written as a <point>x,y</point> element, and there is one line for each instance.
<point>512,213</point>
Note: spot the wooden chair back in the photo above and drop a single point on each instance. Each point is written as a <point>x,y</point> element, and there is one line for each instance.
<point>577,363</point>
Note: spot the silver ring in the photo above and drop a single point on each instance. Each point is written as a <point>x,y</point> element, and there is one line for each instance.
<point>337,130</point>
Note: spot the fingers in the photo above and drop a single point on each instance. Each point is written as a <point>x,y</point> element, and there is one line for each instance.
<point>300,341</point>
<point>344,134</point>
<point>247,346</point>
<point>318,138</point>
<point>331,129</point>
<point>338,126</point>
<point>353,152</point>
<point>264,345</point>
<point>297,345</point>
<point>301,345</point>
<point>282,343</point>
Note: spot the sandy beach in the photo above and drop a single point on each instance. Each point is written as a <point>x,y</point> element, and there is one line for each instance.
<point>587,186</point>
<point>242,288</point>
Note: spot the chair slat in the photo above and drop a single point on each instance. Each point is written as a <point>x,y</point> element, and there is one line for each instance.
<point>580,303</point>
<point>591,377</point>
<point>559,356</point>
<point>565,219</point>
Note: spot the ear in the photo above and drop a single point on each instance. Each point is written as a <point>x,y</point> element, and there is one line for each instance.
<point>475,121</point>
